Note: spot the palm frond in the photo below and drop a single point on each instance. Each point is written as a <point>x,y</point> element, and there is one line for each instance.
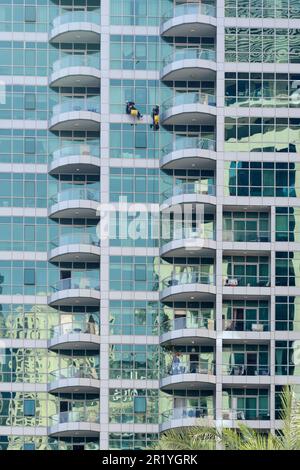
<point>241,438</point>
<point>290,416</point>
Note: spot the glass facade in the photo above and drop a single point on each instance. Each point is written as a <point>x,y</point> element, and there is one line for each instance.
<point>255,134</point>
<point>262,90</point>
<point>149,258</point>
<point>268,45</point>
<point>262,9</point>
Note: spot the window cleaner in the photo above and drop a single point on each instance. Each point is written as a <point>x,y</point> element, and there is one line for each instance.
<point>155,117</point>
<point>132,110</point>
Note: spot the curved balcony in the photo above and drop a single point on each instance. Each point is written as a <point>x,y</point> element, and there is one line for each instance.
<point>190,187</point>
<point>71,335</point>
<point>187,416</point>
<point>82,69</point>
<point>190,64</point>
<point>79,27</point>
<point>74,379</point>
<point>80,423</point>
<point>77,203</point>
<point>185,241</point>
<point>76,114</point>
<point>186,330</point>
<point>189,108</point>
<point>188,375</point>
<point>82,289</point>
<point>190,19</point>
<point>80,246</point>
<point>185,286</point>
<point>191,193</point>
<point>75,158</point>
<point>189,152</point>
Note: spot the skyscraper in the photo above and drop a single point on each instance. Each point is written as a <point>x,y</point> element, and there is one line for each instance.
<point>118,118</point>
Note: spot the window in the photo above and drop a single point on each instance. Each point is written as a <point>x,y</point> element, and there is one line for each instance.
<point>137,317</point>
<point>141,95</point>
<point>137,184</point>
<point>29,446</point>
<point>247,271</point>
<point>245,315</point>
<point>29,408</point>
<point>140,140</point>
<point>29,189</point>
<point>30,14</point>
<point>29,101</point>
<point>140,52</point>
<point>29,277</point>
<point>29,233</point>
<point>136,12</point>
<point>287,268</point>
<point>127,142</point>
<point>286,358</point>
<point>277,179</point>
<point>29,145</point>
<point>287,224</point>
<point>134,52</point>
<point>287,313</point>
<point>262,9</point>
<point>140,405</point>
<point>140,272</point>
<point>134,361</point>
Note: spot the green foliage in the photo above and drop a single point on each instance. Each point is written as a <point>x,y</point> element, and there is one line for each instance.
<point>241,438</point>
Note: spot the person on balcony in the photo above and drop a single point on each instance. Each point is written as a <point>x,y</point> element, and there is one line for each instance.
<point>176,367</point>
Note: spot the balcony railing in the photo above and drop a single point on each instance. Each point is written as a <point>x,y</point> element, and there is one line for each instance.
<point>246,325</point>
<point>190,53</point>
<point>246,413</point>
<point>77,17</point>
<point>243,236</point>
<point>76,416</point>
<point>187,233</point>
<point>191,9</point>
<point>246,369</point>
<point>189,98</point>
<point>82,280</point>
<point>80,372</point>
<point>83,238</point>
<point>83,149</point>
<point>81,193</point>
<point>184,143</point>
<point>194,277</point>
<point>77,60</point>
<point>189,367</point>
<point>188,322</point>
<point>77,104</point>
<point>188,412</point>
<point>191,187</point>
<point>247,281</point>
<point>76,327</point>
